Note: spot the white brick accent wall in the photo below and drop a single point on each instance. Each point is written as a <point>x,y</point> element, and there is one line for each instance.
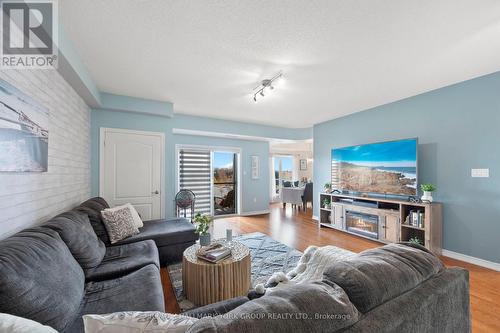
<point>28,199</point>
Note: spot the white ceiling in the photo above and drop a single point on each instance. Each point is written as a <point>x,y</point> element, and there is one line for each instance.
<point>338,56</point>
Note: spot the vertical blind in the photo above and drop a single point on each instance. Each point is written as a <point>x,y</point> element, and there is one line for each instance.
<point>194,175</point>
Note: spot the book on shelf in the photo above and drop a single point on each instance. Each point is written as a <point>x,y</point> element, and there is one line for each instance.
<point>214,254</point>
<point>416,219</point>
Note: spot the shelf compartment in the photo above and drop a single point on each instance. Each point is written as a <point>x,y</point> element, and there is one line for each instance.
<point>325,216</point>
<point>409,233</point>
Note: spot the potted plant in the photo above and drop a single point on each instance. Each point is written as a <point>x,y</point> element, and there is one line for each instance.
<point>415,240</point>
<point>326,203</point>
<point>427,189</point>
<point>202,227</point>
<point>328,187</point>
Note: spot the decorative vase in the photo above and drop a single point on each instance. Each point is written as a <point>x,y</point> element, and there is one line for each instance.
<point>205,239</point>
<point>427,196</point>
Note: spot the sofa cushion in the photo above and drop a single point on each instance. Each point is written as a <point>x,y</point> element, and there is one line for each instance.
<point>165,232</point>
<point>374,276</point>
<point>137,291</point>
<point>93,208</point>
<point>75,230</point>
<point>40,280</point>
<point>308,307</point>
<point>123,259</point>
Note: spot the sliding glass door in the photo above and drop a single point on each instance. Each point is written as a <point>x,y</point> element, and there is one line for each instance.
<point>224,182</point>
<point>212,174</point>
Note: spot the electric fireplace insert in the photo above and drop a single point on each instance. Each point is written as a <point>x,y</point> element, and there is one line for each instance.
<point>362,224</point>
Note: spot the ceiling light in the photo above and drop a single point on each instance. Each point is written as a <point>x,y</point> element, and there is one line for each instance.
<point>267,85</point>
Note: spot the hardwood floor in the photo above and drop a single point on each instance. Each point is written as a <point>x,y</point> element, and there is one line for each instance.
<point>299,230</point>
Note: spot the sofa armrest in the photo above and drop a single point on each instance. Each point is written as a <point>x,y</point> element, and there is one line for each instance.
<point>215,309</point>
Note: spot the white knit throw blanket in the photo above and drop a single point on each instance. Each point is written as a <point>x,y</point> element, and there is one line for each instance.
<point>310,267</point>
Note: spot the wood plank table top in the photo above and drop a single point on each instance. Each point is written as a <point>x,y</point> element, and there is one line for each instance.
<point>205,283</point>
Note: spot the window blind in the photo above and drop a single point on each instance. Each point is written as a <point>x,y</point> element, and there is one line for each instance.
<point>194,175</point>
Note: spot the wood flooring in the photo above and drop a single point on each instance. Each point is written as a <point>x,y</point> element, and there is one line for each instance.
<point>298,230</point>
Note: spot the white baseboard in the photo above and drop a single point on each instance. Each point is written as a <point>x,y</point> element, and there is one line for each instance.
<point>256,212</point>
<point>472,260</point>
<point>315,218</point>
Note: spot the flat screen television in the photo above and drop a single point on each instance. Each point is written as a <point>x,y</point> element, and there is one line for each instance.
<point>383,168</point>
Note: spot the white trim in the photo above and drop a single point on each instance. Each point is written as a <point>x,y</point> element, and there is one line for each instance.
<point>209,147</point>
<point>256,212</point>
<point>102,136</point>
<point>212,183</point>
<point>315,218</point>
<point>472,260</point>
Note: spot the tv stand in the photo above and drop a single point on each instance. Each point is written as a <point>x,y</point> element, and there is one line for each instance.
<point>383,220</point>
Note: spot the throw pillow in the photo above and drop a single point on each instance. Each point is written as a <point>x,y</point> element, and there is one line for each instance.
<point>135,215</point>
<point>128,322</point>
<point>119,223</point>
<point>14,324</point>
<point>137,218</point>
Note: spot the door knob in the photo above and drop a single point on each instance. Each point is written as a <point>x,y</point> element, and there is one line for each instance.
<point>155,192</point>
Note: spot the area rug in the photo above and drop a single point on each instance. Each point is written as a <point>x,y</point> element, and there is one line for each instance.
<point>268,256</point>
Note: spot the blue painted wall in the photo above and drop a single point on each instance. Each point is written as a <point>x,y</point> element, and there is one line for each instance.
<point>458,128</point>
<point>258,189</point>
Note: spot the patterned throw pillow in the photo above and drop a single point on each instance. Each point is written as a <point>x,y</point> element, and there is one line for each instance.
<point>119,223</point>
<point>137,218</point>
<point>128,322</point>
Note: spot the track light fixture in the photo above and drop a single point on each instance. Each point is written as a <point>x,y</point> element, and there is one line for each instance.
<point>266,85</point>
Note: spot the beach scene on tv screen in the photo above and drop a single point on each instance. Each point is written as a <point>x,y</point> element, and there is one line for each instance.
<point>387,167</point>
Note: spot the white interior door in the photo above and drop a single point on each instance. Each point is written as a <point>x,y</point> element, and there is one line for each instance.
<point>131,170</point>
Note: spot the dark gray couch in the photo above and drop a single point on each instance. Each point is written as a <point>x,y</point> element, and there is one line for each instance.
<point>395,288</point>
<point>62,270</point>
<point>171,236</point>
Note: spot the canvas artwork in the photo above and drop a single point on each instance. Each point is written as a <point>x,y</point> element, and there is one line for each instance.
<point>386,167</point>
<point>24,135</point>
<point>255,167</point>
<point>303,164</point>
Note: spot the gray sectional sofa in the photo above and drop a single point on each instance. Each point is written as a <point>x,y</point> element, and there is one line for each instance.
<point>57,272</point>
<point>395,288</point>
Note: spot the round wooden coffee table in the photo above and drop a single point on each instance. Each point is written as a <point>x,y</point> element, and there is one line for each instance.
<point>205,283</point>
